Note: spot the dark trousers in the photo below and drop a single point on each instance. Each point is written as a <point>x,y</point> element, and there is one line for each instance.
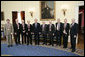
<point>17,38</point>
<point>73,42</point>
<point>58,38</point>
<point>36,36</point>
<point>44,38</point>
<point>29,38</point>
<point>65,40</point>
<point>51,38</point>
<point>23,38</point>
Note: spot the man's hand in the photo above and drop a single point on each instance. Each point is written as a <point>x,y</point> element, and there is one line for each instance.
<point>53,34</point>
<point>64,32</point>
<point>11,33</point>
<point>26,33</point>
<point>15,33</point>
<point>23,31</point>
<point>32,32</point>
<point>39,32</point>
<point>74,36</point>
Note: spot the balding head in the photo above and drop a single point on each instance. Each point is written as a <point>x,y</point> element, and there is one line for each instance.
<point>65,20</point>
<point>36,20</point>
<point>8,21</point>
<point>50,22</point>
<point>58,20</point>
<point>43,22</point>
<point>73,20</point>
<point>22,21</point>
<point>28,22</point>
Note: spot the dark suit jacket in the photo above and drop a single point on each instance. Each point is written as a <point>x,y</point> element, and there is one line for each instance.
<point>74,29</point>
<point>16,28</point>
<point>66,28</point>
<point>22,28</point>
<point>45,28</point>
<point>29,28</point>
<point>36,29</point>
<point>52,28</point>
<point>61,28</point>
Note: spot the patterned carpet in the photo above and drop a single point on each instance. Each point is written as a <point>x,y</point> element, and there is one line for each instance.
<point>78,51</point>
<point>32,50</point>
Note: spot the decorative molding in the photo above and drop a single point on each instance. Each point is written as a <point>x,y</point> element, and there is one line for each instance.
<point>81,3</point>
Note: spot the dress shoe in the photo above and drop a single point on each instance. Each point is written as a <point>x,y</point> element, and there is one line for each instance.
<point>27,44</point>
<point>8,46</point>
<point>11,45</point>
<point>73,51</point>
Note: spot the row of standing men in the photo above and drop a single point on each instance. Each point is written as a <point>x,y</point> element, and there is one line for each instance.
<point>58,30</point>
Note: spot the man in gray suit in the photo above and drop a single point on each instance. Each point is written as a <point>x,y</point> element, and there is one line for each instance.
<point>8,30</point>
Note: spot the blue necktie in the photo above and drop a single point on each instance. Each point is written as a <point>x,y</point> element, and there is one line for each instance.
<point>35,25</point>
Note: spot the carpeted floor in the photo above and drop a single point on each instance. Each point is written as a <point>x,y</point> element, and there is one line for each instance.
<point>30,50</point>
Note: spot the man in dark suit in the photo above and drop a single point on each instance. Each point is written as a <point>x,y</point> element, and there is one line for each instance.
<point>17,32</point>
<point>36,30</point>
<point>65,33</point>
<point>51,29</point>
<point>58,32</point>
<point>23,32</point>
<point>73,34</point>
<point>28,33</point>
<point>44,32</point>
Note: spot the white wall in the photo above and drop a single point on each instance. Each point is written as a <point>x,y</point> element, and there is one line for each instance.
<point>8,6</point>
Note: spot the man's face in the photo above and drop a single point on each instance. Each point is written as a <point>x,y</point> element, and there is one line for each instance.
<point>50,22</point>
<point>58,20</point>
<point>8,21</point>
<point>22,21</point>
<point>17,20</point>
<point>65,20</point>
<point>73,20</point>
<point>28,22</point>
<point>35,20</point>
<point>43,22</point>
